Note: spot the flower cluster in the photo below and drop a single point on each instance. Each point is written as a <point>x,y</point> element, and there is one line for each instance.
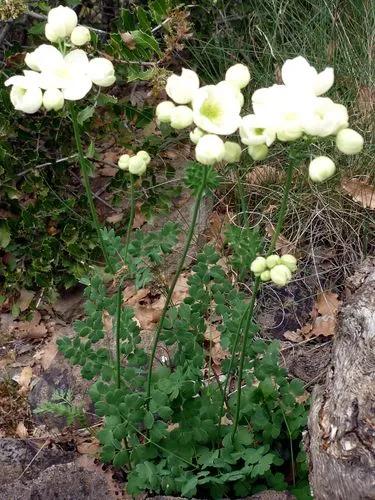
<point>274,268</point>
<point>62,76</point>
<point>283,112</point>
<point>287,112</point>
<point>214,110</point>
<point>136,164</point>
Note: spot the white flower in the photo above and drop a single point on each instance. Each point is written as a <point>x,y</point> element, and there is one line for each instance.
<point>25,95</point>
<point>182,88</point>
<point>61,22</point>
<point>349,141</point>
<point>232,152</point>
<point>43,56</point>
<point>102,72</point>
<point>163,111</point>
<point>321,169</point>
<point>297,73</point>
<point>289,261</point>
<point>258,265</point>
<point>258,152</point>
<point>254,131</point>
<point>70,75</point>
<point>224,85</point>
<point>324,118</point>
<point>280,275</point>
<point>80,36</point>
<point>289,127</point>
<point>196,134</point>
<point>210,149</point>
<point>238,75</point>
<point>217,109</point>
<point>181,117</point>
<point>272,261</point>
<point>53,99</point>
<point>123,162</point>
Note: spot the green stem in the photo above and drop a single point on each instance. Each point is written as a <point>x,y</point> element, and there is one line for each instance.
<point>180,266</point>
<point>250,309</point>
<point>119,289</point>
<point>86,182</point>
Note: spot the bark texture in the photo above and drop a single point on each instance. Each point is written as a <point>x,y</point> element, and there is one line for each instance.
<point>341,432</point>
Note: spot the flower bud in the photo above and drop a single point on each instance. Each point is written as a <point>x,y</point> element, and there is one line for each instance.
<point>181,89</point>
<point>60,23</point>
<point>321,169</point>
<point>144,156</point>
<point>123,162</point>
<point>265,275</point>
<point>210,149</point>
<point>272,261</point>
<point>181,117</point>
<point>164,110</point>
<point>101,72</point>
<point>349,142</point>
<point>232,152</point>
<point>137,165</point>
<point>289,261</point>
<point>238,75</point>
<point>53,99</point>
<point>196,134</point>
<point>258,152</point>
<point>258,265</point>
<point>80,36</point>
<point>280,275</point>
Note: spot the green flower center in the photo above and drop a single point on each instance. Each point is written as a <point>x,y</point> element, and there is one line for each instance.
<point>258,131</point>
<point>212,110</point>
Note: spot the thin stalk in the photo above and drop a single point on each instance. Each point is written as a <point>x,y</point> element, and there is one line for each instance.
<point>180,266</point>
<point>250,309</point>
<point>119,288</point>
<point>86,182</point>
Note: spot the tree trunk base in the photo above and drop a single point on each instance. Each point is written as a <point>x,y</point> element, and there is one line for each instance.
<point>341,431</point>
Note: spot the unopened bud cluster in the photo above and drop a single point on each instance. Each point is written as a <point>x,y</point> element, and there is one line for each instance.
<point>275,268</point>
<point>136,164</point>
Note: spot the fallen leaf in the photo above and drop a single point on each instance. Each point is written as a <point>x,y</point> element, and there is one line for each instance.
<point>323,319</point>
<point>89,446</point>
<point>139,218</point>
<point>218,354</point>
<point>108,171</point>
<point>212,334</point>
<point>114,218</point>
<point>327,303</point>
<point>21,430</point>
<point>128,40</point>
<point>361,191</point>
<point>24,379</point>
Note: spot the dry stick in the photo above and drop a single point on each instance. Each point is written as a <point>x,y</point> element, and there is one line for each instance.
<point>180,266</point>
<point>250,309</point>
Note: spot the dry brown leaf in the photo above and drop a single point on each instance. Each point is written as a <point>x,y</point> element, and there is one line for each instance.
<point>114,218</point>
<point>128,40</point>
<point>283,245</point>
<point>361,191</point>
<point>24,379</point>
<point>21,430</point>
<point>108,171</point>
<point>25,298</point>
<point>263,174</point>
<point>324,326</point>
<point>139,218</point>
<point>218,354</point>
<point>327,303</point>
<point>89,446</point>
<point>212,334</point>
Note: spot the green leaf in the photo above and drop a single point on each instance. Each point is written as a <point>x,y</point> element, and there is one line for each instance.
<point>85,114</point>
<point>4,234</point>
<point>190,488</point>
<point>146,41</point>
<point>121,458</point>
<point>149,420</point>
<point>37,28</point>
